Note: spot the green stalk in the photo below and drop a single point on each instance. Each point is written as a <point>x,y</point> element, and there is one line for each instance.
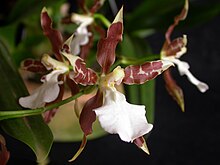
<point>5,114</point>
<point>102,18</point>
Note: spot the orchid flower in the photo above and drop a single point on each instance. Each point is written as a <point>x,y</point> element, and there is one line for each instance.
<point>118,116</point>
<point>114,113</point>
<point>66,67</point>
<point>183,66</point>
<point>172,51</point>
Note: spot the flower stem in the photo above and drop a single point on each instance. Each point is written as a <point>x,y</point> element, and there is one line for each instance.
<point>102,18</point>
<point>7,114</point>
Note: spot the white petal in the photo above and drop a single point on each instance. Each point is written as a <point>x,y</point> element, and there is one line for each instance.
<point>83,20</point>
<point>46,93</point>
<point>117,116</point>
<point>183,68</point>
<point>81,38</point>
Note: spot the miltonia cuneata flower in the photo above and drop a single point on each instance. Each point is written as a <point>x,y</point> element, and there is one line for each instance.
<point>172,51</point>
<point>66,66</point>
<point>183,66</point>
<point>116,115</point>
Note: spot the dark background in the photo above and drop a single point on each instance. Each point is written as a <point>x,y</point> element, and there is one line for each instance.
<point>188,138</point>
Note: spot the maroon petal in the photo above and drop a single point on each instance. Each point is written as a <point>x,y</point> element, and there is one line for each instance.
<point>53,35</point>
<point>178,18</point>
<point>49,115</point>
<point>86,48</point>
<point>33,65</point>
<point>4,153</point>
<point>175,47</point>
<point>141,143</point>
<point>72,85</point>
<point>96,6</point>
<point>81,148</point>
<point>173,89</point>
<point>82,5</point>
<point>106,46</point>
<point>88,116</point>
<point>140,74</point>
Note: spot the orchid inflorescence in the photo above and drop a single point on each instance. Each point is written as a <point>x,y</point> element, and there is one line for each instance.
<point>67,65</point>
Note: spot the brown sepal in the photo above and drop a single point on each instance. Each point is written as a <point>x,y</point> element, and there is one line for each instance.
<point>173,89</point>
<point>174,47</point>
<point>177,19</point>
<point>106,46</point>
<point>86,48</point>
<point>96,6</point>
<point>72,85</point>
<point>141,143</point>
<point>88,116</point>
<point>53,35</point>
<point>4,153</point>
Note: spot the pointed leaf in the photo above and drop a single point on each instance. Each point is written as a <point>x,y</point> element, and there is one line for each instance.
<point>30,130</point>
<point>106,46</point>
<point>31,7</point>
<point>173,89</point>
<point>88,116</point>
<point>140,74</point>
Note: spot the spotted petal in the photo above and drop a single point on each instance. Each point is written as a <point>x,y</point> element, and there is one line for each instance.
<point>117,116</point>
<point>139,74</point>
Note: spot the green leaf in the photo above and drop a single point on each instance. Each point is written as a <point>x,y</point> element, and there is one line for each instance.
<point>30,130</point>
<point>30,6</point>
<point>158,15</point>
<point>150,13</point>
<point>7,35</point>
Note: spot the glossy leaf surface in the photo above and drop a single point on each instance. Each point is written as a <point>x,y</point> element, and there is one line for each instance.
<point>30,130</point>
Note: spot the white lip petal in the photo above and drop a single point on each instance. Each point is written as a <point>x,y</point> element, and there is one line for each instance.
<point>117,116</point>
<point>183,68</point>
<point>46,93</point>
